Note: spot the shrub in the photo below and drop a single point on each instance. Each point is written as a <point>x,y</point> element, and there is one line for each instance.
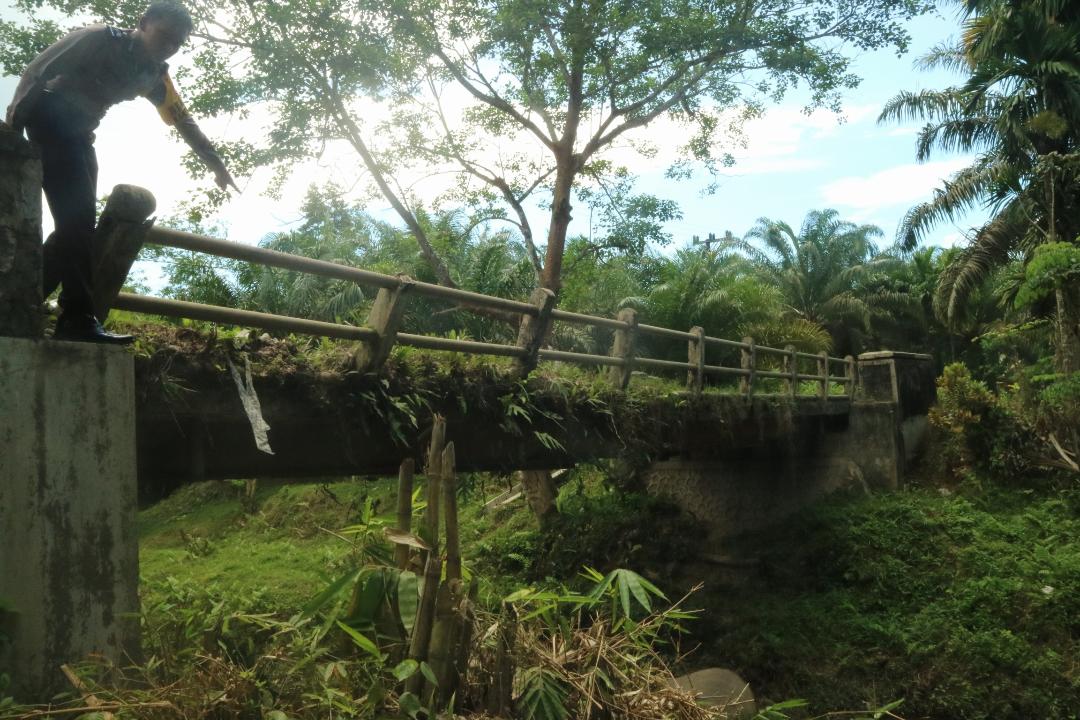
<point>978,429</point>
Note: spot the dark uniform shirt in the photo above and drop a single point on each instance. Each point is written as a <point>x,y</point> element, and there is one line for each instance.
<point>94,68</point>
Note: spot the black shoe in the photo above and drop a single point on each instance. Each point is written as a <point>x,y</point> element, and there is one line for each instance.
<point>86,328</point>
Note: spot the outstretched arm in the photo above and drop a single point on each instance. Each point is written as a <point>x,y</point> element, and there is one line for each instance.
<point>173,112</point>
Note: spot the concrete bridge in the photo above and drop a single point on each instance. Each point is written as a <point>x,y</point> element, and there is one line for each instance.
<point>82,426</point>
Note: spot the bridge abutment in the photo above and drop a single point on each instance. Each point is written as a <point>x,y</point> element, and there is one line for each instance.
<point>69,558</point>
<point>755,487</point>
<point>68,544</point>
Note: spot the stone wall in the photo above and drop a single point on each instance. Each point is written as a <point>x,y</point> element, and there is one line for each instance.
<point>69,556</point>
<point>882,433</point>
<point>20,237</point>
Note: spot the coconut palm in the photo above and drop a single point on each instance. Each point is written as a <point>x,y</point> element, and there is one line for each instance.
<point>824,272</point>
<point>1019,111</point>
<point>723,293</point>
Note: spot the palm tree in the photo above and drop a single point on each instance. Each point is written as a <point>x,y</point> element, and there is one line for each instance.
<point>1019,111</point>
<point>824,272</point>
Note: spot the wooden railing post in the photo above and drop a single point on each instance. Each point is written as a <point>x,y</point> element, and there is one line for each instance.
<point>791,366</point>
<point>385,319</point>
<point>623,348</point>
<point>823,371</point>
<point>533,330</point>
<point>117,241</point>
<point>849,372</point>
<point>748,363</point>
<point>695,377</point>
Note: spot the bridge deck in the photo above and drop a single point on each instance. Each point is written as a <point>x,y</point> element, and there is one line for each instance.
<point>192,424</point>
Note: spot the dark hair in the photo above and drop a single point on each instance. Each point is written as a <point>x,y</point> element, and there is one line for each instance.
<point>172,12</point>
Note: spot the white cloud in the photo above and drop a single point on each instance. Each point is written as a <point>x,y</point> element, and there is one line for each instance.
<point>895,186</point>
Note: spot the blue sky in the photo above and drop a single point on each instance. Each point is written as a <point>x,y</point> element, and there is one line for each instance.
<point>864,170</point>
<point>794,163</point>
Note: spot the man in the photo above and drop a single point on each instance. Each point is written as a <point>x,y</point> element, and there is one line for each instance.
<point>60,100</point>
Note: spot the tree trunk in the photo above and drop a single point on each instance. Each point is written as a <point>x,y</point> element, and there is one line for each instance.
<point>540,492</point>
<point>560,221</point>
<point>1068,329</point>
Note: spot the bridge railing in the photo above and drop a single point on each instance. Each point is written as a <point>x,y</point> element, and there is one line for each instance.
<point>757,362</point>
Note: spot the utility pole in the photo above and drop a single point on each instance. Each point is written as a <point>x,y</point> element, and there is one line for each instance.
<point>708,242</point>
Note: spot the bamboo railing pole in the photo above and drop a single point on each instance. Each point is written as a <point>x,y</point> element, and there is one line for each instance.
<point>823,371</point>
<point>748,362</point>
<point>695,376</point>
<point>849,371</point>
<point>404,510</point>
<point>623,348</point>
<point>791,366</point>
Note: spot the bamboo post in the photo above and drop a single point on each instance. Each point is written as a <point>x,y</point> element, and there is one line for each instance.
<point>450,601</point>
<point>404,510</point>
<point>791,366</point>
<point>695,376</point>
<point>385,319</point>
<point>533,330</point>
<point>623,348</point>
<point>500,692</point>
<point>823,371</point>
<point>849,373</point>
<point>448,480</point>
<point>748,363</point>
<point>425,619</point>
<point>433,471</point>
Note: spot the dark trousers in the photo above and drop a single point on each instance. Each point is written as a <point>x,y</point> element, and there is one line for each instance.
<point>69,178</point>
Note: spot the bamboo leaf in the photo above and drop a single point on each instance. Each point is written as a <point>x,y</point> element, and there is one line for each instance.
<point>361,641</point>
<point>400,537</point>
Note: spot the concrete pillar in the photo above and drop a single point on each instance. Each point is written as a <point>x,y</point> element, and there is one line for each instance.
<point>907,381</point>
<point>69,553</point>
<point>20,237</point>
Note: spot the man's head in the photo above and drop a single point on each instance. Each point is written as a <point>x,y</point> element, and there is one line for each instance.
<point>163,28</point>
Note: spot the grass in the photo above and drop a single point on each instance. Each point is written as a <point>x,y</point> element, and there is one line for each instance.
<point>962,600</point>
<point>202,534</point>
<point>966,604</point>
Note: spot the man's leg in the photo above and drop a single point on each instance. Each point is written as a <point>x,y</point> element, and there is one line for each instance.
<point>69,178</point>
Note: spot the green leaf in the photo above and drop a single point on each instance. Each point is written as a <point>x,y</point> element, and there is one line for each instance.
<point>361,641</point>
<point>408,599</point>
<point>410,704</point>
<point>634,582</point>
<point>405,669</point>
<point>428,674</point>
<point>319,601</point>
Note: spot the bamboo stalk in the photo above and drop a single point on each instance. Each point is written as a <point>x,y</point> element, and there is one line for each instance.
<point>445,636</point>
<point>425,619</point>
<point>430,532</point>
<point>448,480</point>
<point>500,693</point>
<point>404,510</point>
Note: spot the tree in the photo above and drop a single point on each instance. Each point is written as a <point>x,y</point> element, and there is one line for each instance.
<point>549,86</point>
<point>825,272</point>
<point>1019,110</point>
<point>335,231</point>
